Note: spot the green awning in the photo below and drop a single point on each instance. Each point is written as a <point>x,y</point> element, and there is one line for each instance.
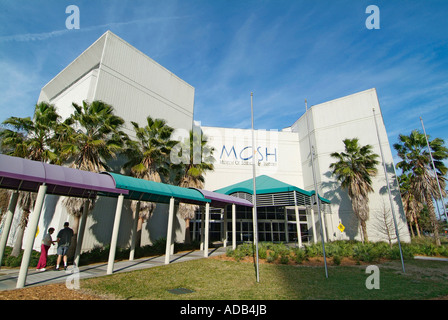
<point>265,185</point>
<point>145,190</point>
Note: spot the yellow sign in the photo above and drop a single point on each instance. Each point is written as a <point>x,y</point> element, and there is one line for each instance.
<point>37,232</point>
<point>341,227</point>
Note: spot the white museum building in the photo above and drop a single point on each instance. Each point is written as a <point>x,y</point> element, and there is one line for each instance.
<point>113,71</point>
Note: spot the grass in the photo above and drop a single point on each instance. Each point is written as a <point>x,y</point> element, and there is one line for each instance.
<point>213,279</point>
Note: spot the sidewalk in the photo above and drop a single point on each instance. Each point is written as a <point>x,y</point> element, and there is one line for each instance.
<point>8,277</point>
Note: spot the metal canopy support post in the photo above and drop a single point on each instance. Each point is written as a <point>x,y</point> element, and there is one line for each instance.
<point>233,226</point>
<point>296,211</point>
<point>169,233</point>
<point>32,228</point>
<point>207,223</point>
<point>82,227</point>
<point>134,231</point>
<point>113,242</point>
<point>202,228</point>
<point>8,220</point>
<point>225,228</point>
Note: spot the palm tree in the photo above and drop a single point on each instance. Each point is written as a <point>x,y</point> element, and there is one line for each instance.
<point>148,157</point>
<point>94,138</point>
<point>413,151</point>
<point>355,168</point>
<point>32,139</point>
<point>412,207</point>
<point>191,172</point>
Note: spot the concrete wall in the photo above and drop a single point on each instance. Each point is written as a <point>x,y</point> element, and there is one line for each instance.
<point>332,122</point>
<point>278,156</point>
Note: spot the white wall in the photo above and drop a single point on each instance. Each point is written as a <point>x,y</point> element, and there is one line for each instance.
<point>278,156</point>
<point>137,86</point>
<point>330,124</point>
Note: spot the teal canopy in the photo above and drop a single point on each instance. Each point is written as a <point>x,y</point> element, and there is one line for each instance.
<point>145,190</point>
<point>265,185</point>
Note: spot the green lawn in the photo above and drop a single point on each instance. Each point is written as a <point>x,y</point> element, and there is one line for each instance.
<point>212,279</point>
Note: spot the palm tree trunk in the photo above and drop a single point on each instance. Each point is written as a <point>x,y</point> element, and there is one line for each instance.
<point>138,239</point>
<point>433,218</point>
<point>417,227</point>
<point>364,231</point>
<point>19,238</point>
<point>18,243</point>
<point>187,231</point>
<point>411,228</point>
<point>74,242</point>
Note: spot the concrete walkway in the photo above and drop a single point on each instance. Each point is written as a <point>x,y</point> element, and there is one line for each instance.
<point>8,277</point>
<point>430,258</point>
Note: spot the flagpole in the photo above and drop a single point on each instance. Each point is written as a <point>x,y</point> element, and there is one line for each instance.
<point>435,172</point>
<point>254,212</point>
<point>388,189</point>
<point>316,193</point>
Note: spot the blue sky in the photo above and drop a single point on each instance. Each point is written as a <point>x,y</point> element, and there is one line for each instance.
<point>285,51</point>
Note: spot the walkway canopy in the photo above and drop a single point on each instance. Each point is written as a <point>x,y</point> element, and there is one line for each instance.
<point>271,192</point>
<point>27,175</point>
<point>145,190</point>
<point>221,200</point>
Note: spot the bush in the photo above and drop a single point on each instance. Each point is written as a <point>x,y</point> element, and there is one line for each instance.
<point>284,259</point>
<point>337,260</point>
<point>365,252</point>
<point>299,255</point>
<point>262,252</point>
<point>314,250</point>
<point>273,255</point>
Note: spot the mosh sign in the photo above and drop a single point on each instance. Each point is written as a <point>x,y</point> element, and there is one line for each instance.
<point>230,154</point>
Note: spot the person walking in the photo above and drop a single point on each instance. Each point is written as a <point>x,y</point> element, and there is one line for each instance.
<point>47,241</point>
<point>64,239</point>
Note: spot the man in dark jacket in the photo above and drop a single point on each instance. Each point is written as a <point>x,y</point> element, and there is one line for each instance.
<point>64,239</point>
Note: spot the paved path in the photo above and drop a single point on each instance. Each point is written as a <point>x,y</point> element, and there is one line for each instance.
<point>8,277</point>
<point>430,258</point>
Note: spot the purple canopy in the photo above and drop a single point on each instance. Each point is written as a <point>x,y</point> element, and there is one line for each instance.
<point>27,175</point>
<point>220,200</point>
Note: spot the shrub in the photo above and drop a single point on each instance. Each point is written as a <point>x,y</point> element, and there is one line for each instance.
<point>365,252</point>
<point>284,259</point>
<point>314,250</point>
<point>262,252</point>
<point>273,255</point>
<point>337,260</point>
<point>299,255</point>
<point>230,252</point>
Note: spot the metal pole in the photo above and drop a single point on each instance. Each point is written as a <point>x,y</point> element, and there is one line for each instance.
<point>255,220</point>
<point>207,230</point>
<point>169,232</point>
<point>316,192</point>
<point>435,172</point>
<point>388,189</point>
<point>32,228</point>
<point>115,230</point>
